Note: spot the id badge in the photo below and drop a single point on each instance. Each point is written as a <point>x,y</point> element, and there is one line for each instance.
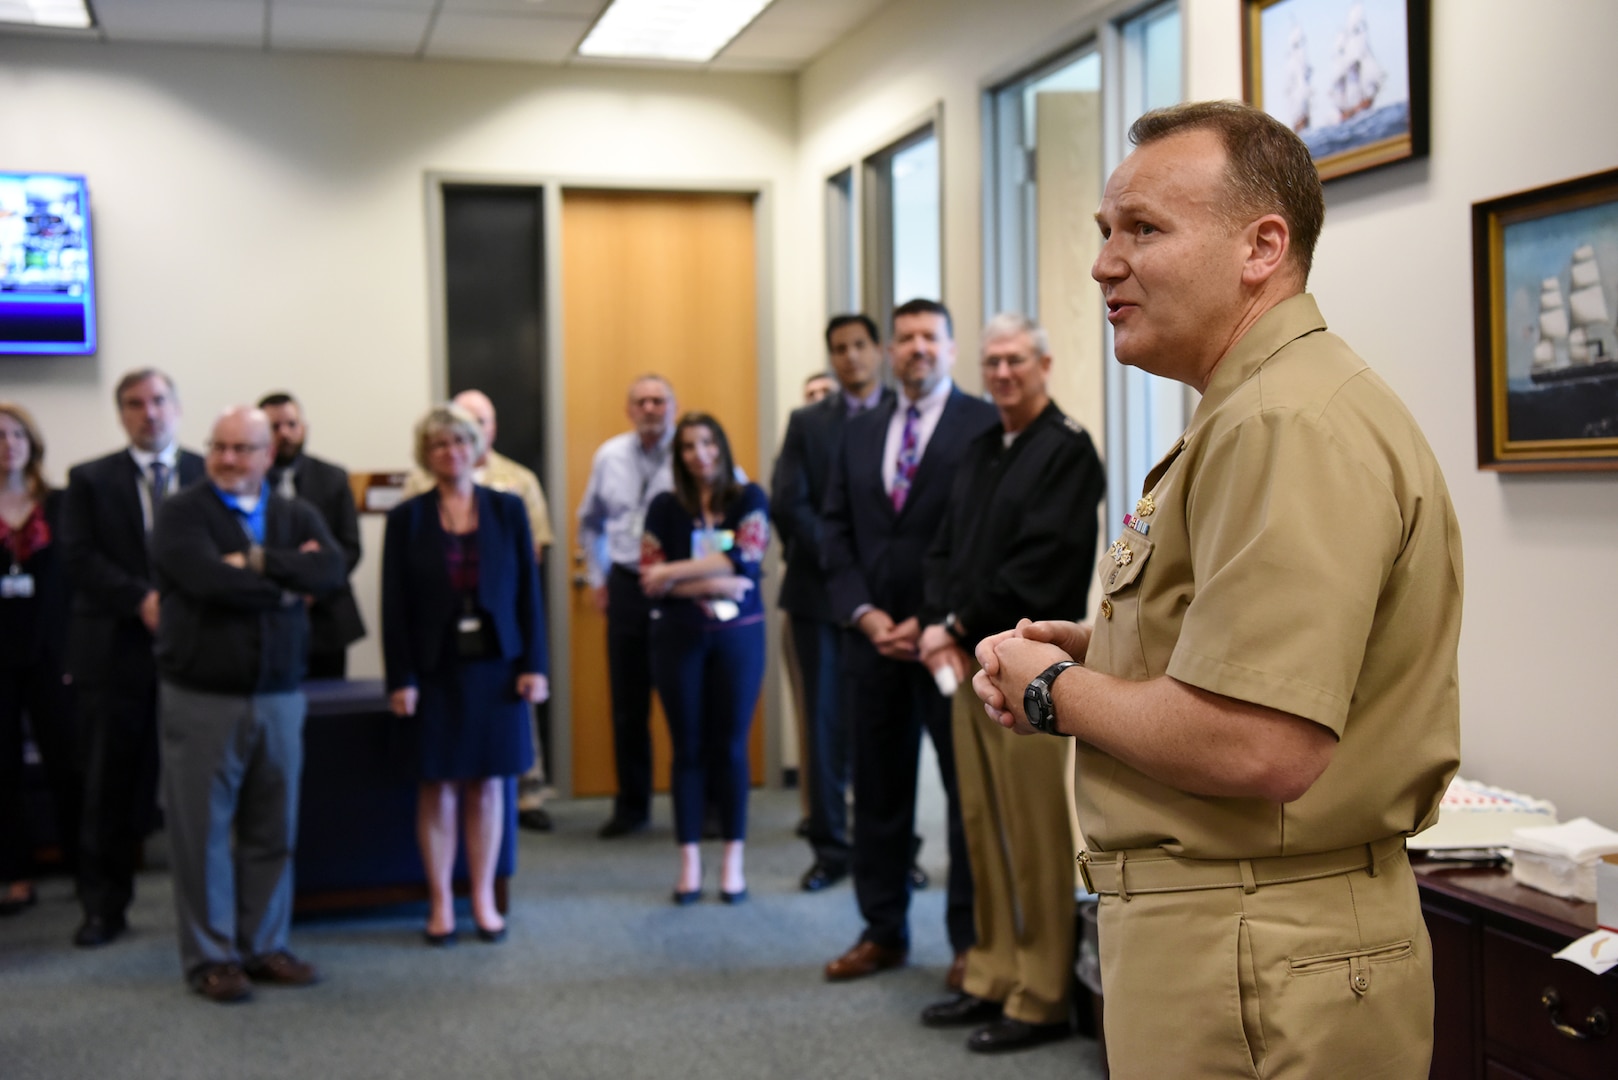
<point>708,541</point>
<point>16,586</point>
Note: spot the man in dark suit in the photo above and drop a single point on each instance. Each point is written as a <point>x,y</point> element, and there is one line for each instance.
<point>334,619</point>
<point>796,496</point>
<point>111,503</point>
<point>886,496</point>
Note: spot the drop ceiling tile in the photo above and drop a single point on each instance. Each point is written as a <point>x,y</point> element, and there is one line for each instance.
<point>763,66</point>
<point>188,22</point>
<point>350,29</point>
<point>761,43</point>
<point>505,37</point>
<point>831,15</point>
<point>588,9</point>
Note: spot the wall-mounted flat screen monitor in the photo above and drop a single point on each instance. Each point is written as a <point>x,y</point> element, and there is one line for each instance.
<point>47,282</point>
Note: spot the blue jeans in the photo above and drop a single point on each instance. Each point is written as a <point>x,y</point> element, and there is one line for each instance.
<point>708,681</point>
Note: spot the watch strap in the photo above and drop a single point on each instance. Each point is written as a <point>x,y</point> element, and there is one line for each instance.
<point>1045,680</point>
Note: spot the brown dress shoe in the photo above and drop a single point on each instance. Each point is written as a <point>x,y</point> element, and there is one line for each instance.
<point>865,958</point>
<point>223,984</point>
<point>957,973</point>
<point>283,969</point>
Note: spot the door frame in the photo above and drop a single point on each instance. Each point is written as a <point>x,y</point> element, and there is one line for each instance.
<point>558,571</point>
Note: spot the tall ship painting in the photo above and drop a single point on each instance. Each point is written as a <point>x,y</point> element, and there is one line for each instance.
<point>1576,338</point>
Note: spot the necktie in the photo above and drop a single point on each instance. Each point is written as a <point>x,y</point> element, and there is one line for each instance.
<point>160,485</point>
<point>906,467</point>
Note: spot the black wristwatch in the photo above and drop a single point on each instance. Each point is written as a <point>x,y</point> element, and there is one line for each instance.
<point>1036,700</point>
<point>953,627</point>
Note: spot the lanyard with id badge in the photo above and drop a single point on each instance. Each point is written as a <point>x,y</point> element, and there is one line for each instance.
<point>707,541</point>
<point>16,585</point>
<point>471,633</point>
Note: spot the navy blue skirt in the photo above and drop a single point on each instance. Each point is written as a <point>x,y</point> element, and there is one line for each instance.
<point>473,724</point>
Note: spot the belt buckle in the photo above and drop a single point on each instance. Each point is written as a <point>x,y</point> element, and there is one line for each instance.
<point>1084,873</point>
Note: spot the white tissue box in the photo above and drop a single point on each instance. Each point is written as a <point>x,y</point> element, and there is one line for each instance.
<point>1562,859</point>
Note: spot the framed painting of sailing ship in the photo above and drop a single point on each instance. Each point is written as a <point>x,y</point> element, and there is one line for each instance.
<point>1544,265</point>
<point>1349,76</point>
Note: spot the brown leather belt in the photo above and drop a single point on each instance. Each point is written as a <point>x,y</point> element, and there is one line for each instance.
<point>1152,870</point>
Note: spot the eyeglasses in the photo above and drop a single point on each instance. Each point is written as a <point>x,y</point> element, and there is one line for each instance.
<point>239,449</point>
<point>1015,363</point>
<point>448,441</point>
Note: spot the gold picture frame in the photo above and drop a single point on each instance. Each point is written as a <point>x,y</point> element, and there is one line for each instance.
<point>1544,272</point>
<point>1349,76</point>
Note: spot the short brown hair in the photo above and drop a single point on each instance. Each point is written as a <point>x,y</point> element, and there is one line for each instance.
<point>442,418</point>
<point>1268,169</point>
<point>34,471</point>
<point>138,376</point>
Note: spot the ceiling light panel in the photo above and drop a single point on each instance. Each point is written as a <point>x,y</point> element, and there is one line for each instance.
<point>65,14</point>
<point>689,30</point>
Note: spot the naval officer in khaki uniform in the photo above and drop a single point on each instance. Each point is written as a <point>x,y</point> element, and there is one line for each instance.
<point>1268,705</point>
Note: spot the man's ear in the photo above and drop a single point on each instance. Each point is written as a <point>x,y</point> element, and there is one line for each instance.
<point>1269,241</point>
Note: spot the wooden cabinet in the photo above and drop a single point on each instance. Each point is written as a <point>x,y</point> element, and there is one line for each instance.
<point>1506,1010</point>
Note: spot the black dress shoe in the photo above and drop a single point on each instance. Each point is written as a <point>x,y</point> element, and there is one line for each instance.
<point>1008,1034</point>
<point>617,826</point>
<point>959,1011</point>
<point>536,820</point>
<point>16,905</point>
<point>823,875</point>
<point>685,898</point>
<point>98,930</point>
<point>738,897</point>
<point>439,941</point>
<point>491,937</point>
<point>918,878</point>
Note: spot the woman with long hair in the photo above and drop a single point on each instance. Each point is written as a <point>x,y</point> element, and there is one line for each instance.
<point>701,554</point>
<point>33,638</point>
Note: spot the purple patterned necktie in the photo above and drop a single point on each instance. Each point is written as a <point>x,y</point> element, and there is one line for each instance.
<point>905,470</point>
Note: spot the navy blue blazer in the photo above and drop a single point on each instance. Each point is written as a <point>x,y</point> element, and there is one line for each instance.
<point>420,607</point>
<point>797,493</point>
<point>871,554</point>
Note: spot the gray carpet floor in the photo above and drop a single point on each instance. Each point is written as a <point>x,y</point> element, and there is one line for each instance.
<point>601,977</point>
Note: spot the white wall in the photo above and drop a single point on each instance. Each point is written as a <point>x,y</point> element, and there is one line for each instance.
<point>260,220</point>
<point>1393,275</point>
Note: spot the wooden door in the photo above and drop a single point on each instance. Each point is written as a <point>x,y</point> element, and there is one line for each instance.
<point>658,282</point>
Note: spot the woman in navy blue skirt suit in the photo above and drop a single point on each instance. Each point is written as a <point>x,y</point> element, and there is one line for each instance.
<point>700,557</point>
<point>463,638</point>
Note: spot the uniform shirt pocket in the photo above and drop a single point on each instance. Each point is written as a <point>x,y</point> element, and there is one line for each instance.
<point>1117,647</point>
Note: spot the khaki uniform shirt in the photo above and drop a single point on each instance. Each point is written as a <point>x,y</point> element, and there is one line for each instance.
<point>1296,549</point>
<point>502,474</point>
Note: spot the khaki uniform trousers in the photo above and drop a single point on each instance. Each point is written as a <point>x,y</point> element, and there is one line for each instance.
<point>1014,808</point>
<point>1323,978</point>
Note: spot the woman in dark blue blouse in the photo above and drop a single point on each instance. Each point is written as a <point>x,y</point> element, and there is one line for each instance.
<point>700,557</point>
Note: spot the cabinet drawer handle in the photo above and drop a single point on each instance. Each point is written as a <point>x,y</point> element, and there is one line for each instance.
<point>1596,1024</point>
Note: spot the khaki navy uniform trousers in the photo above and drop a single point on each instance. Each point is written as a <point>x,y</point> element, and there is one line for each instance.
<point>1014,809</point>
<point>1296,549</point>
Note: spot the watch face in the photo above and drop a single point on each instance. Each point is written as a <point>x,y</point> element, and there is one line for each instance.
<point>1036,702</point>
